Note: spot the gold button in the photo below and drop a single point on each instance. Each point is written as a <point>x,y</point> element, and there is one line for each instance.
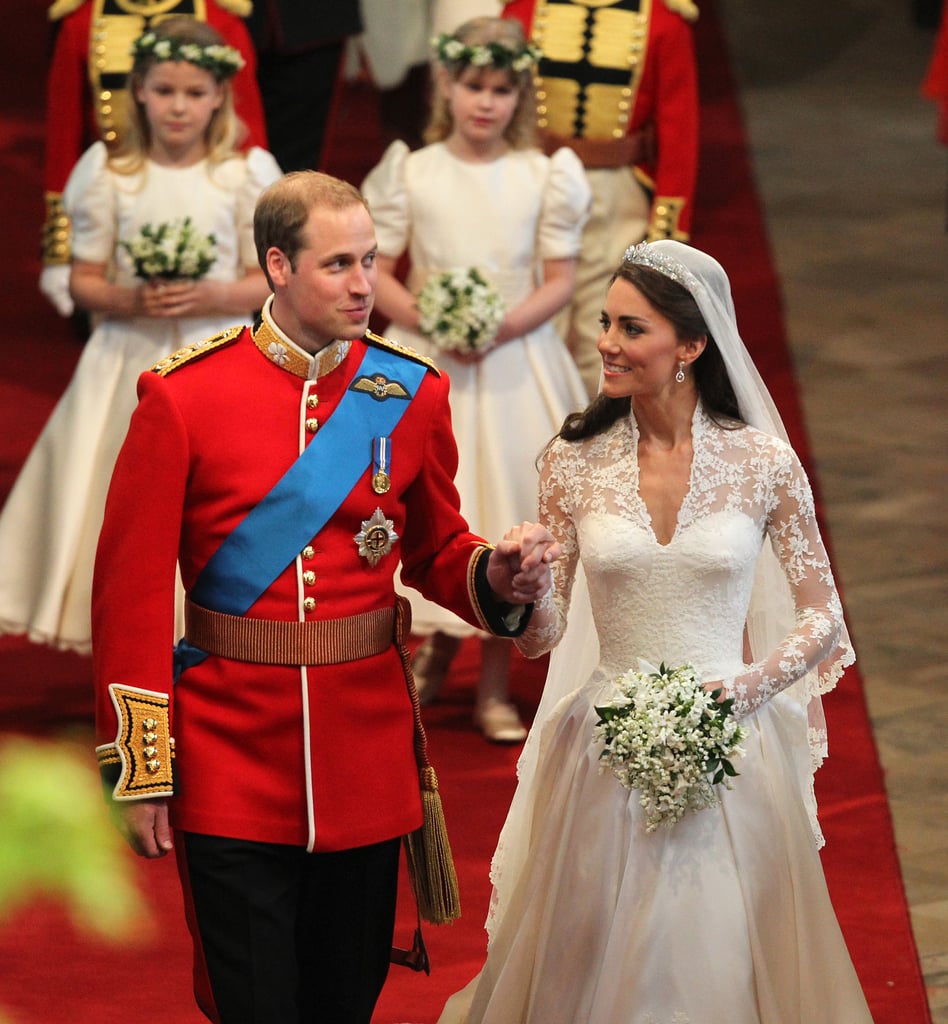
<point>150,723</point>
<point>312,424</point>
<point>309,604</point>
<point>308,551</point>
<point>312,401</point>
<point>150,752</point>
<point>309,577</point>
<point>153,766</point>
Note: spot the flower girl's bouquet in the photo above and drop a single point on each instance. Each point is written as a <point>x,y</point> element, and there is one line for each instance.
<point>171,251</point>
<point>669,738</point>
<point>459,311</point>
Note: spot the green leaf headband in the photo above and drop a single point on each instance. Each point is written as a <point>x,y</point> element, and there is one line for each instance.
<point>451,50</point>
<point>222,61</point>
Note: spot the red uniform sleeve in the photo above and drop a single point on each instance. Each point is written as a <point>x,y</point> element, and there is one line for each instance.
<point>675,114</point>
<point>440,555</point>
<point>133,592</point>
<point>69,127</point>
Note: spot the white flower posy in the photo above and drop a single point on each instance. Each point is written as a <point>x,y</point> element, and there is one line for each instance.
<point>668,737</point>
<point>459,311</point>
<point>171,250</point>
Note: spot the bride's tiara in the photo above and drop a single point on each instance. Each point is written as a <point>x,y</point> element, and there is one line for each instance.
<point>451,50</point>
<point>222,61</point>
<point>646,255</point>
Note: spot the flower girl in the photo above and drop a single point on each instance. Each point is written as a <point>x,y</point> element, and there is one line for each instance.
<point>162,257</point>
<point>492,227</point>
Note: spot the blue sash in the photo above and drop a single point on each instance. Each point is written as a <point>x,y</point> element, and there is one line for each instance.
<point>285,520</point>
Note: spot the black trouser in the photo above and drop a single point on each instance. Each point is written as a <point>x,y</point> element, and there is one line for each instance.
<point>282,936</point>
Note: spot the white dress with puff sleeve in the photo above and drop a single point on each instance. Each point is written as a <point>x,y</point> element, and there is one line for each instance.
<point>505,218</point>
<point>50,524</point>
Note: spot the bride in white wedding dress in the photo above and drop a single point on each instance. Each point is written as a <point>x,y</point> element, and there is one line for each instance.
<point>689,537</point>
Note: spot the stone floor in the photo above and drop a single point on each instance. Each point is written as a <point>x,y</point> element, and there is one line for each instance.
<point>856,194</point>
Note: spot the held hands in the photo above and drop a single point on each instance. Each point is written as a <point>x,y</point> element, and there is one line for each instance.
<point>144,825</point>
<point>518,570</point>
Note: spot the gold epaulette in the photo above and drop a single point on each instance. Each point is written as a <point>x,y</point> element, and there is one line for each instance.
<point>402,350</point>
<point>140,759</point>
<point>196,351</point>
<point>61,8</point>
<point>242,8</point>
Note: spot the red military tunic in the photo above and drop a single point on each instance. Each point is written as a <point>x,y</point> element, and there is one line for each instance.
<point>617,69</point>
<point>317,756</point>
<point>86,86</point>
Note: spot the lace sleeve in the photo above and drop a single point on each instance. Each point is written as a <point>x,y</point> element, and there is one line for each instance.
<point>813,644</point>
<point>548,622</point>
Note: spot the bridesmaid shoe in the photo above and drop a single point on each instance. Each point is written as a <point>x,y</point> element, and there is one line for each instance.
<point>499,721</point>
<point>430,665</point>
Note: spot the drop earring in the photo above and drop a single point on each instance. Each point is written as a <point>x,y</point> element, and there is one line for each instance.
<point>680,375</point>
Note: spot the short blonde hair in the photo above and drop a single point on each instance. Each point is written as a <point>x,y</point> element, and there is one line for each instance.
<point>284,207</point>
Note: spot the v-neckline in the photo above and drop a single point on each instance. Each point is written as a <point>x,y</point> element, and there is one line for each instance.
<point>686,497</point>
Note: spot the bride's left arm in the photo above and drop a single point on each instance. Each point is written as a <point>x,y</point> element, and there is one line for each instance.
<point>818,614</point>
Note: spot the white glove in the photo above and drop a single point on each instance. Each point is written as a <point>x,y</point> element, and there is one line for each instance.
<point>54,284</point>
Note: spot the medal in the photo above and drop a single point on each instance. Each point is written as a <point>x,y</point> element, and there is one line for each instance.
<point>376,537</point>
<point>381,481</point>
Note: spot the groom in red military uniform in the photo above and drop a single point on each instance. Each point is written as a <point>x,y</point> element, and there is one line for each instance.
<point>617,83</point>
<point>288,468</point>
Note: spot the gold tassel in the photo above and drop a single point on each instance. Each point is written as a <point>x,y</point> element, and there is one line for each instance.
<point>434,881</point>
<point>430,864</point>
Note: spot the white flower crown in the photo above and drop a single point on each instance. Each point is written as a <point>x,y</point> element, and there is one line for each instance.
<point>222,61</point>
<point>451,50</point>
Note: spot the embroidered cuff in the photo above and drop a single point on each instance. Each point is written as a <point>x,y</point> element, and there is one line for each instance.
<point>497,617</point>
<point>666,213</point>
<point>57,232</point>
<point>139,763</point>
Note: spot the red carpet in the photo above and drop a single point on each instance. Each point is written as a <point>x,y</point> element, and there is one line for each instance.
<point>49,972</point>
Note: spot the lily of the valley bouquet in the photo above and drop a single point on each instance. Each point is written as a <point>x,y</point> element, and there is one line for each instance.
<point>173,250</point>
<point>669,738</point>
<point>459,311</point>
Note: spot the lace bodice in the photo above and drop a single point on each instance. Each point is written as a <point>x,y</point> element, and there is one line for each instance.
<point>687,601</point>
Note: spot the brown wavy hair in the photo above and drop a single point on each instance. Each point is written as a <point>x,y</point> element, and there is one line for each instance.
<point>678,306</point>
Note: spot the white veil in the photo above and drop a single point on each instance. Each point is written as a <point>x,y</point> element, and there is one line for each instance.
<point>771,613</point>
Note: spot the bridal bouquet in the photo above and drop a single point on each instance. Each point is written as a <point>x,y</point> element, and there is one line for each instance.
<point>459,311</point>
<point>171,250</point>
<point>669,738</point>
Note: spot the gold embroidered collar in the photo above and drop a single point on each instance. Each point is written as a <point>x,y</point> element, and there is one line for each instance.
<point>283,352</point>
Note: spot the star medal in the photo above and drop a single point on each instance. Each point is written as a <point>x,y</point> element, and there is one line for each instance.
<point>381,481</point>
<point>376,537</point>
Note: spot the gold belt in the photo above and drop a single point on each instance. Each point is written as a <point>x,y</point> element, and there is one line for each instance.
<point>275,642</point>
<point>624,152</point>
